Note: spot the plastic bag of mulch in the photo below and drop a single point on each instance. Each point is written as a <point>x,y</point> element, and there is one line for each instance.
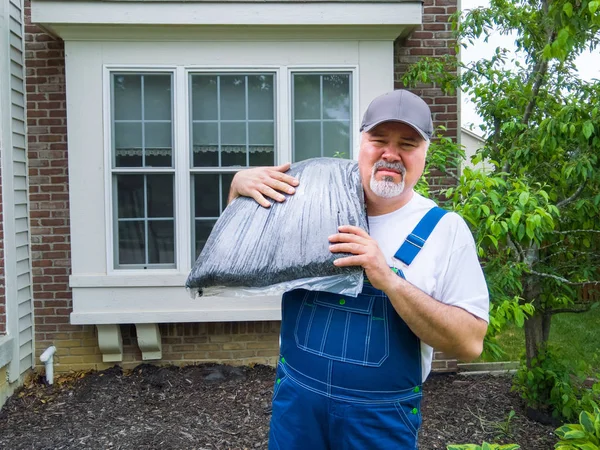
<point>266,251</point>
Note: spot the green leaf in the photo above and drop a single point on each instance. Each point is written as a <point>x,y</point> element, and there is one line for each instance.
<point>516,216</point>
<point>593,6</point>
<point>568,9</point>
<point>588,129</point>
<point>521,232</point>
<point>587,422</point>
<point>547,53</point>
<point>574,434</point>
<point>524,198</point>
<point>485,209</point>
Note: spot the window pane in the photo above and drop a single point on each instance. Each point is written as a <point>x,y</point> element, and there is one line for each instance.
<point>161,241</point>
<point>233,144</point>
<point>336,139</point>
<point>233,97</point>
<point>204,97</point>
<point>205,147</point>
<point>132,242</point>
<point>130,196</point>
<point>244,120</point>
<point>261,134</point>
<point>160,195</point>
<point>260,97</point>
<point>158,141</point>
<point>202,231</point>
<point>128,138</point>
<point>336,96</point>
<point>225,185</point>
<point>206,195</point>
<point>127,94</point>
<point>307,140</point>
<point>307,96</point>
<point>157,97</point>
<point>210,197</point>
<point>322,115</point>
<point>262,138</point>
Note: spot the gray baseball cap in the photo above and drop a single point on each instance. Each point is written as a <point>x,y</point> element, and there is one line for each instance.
<point>399,106</point>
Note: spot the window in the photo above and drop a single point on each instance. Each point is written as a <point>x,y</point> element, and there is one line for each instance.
<point>143,170</point>
<point>232,126</point>
<point>321,115</point>
<point>228,121</point>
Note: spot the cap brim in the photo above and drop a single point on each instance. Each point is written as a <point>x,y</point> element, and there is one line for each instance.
<point>413,126</point>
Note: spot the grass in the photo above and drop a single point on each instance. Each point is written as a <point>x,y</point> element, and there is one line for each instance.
<point>573,337</point>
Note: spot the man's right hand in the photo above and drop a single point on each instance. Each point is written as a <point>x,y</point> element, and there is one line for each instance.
<point>262,182</point>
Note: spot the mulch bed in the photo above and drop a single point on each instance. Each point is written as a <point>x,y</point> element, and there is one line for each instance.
<point>223,407</point>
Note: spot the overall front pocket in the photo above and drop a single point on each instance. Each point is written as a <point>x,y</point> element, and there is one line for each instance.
<point>347,329</point>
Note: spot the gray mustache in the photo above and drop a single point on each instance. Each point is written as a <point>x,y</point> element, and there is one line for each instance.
<point>387,165</point>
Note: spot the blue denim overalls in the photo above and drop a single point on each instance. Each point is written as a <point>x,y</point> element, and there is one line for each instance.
<point>349,374</point>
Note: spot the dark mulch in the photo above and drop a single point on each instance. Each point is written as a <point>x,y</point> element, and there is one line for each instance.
<point>223,407</point>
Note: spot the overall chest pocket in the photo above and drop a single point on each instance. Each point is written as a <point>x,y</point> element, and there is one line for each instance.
<point>347,329</point>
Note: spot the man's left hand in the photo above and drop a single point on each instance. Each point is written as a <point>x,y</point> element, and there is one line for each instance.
<point>367,254</point>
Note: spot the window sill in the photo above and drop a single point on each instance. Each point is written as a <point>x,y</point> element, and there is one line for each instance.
<point>159,298</point>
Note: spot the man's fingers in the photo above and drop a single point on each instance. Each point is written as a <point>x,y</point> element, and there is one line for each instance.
<point>284,178</point>
<point>353,248</point>
<point>281,186</point>
<point>347,237</point>
<point>262,201</point>
<point>271,193</point>
<point>354,230</point>
<point>283,167</point>
<point>348,261</point>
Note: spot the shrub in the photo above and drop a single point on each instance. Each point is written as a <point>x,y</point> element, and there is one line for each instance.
<point>550,387</point>
<point>582,436</point>
<point>484,446</point>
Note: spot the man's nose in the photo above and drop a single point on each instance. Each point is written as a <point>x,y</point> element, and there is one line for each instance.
<point>391,154</point>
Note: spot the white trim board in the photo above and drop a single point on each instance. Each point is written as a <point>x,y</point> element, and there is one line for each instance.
<point>6,350</point>
<point>167,305</point>
<point>231,13</point>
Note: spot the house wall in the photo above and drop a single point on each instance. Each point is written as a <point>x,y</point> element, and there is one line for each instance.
<point>234,342</point>
<point>434,38</point>
<point>2,288</point>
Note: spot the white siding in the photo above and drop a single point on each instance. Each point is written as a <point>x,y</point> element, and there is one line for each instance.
<point>19,303</point>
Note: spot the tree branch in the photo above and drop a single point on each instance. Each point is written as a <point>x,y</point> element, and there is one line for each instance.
<point>566,201</point>
<point>574,252</point>
<point>563,280</point>
<point>516,246</point>
<point>574,231</point>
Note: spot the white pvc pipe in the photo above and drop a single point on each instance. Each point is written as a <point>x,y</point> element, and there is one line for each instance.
<point>48,359</point>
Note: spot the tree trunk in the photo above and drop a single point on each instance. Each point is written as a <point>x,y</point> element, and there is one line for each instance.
<point>537,327</point>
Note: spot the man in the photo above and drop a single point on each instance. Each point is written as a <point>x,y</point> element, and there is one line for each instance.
<point>351,368</point>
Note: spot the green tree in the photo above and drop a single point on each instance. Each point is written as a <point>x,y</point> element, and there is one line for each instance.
<point>535,213</point>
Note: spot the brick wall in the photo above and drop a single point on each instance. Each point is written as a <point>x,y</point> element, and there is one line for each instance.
<point>48,185</point>
<point>2,286</point>
<point>433,38</point>
<point>238,343</point>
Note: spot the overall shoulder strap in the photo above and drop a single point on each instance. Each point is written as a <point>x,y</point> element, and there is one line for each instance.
<point>415,241</point>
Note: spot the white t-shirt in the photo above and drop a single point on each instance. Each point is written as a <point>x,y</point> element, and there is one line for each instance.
<point>446,268</point>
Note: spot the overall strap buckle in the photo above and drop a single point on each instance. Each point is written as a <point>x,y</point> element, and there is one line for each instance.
<point>415,241</point>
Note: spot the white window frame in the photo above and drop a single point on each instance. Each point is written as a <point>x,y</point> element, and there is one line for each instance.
<point>181,144</point>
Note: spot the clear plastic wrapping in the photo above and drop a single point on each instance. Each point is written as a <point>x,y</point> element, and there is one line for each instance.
<point>259,251</point>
